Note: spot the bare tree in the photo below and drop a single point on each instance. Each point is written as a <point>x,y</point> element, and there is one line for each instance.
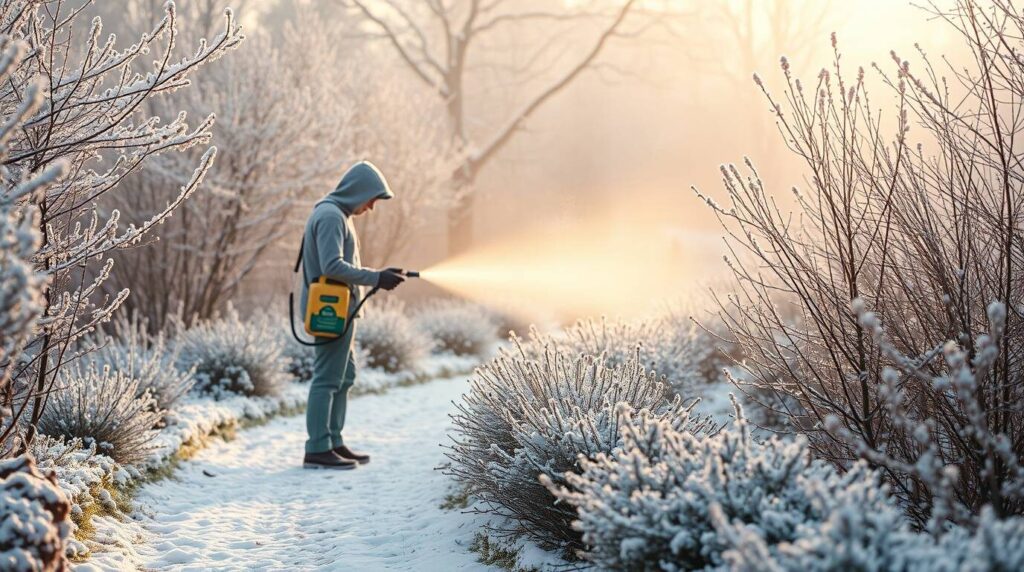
<point>439,42</point>
<point>925,244</point>
<point>283,137</point>
<point>400,128</point>
<point>92,122</point>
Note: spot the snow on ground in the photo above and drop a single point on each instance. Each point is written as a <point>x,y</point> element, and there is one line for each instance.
<point>248,504</point>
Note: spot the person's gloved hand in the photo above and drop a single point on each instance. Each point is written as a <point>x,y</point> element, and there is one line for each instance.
<point>390,279</point>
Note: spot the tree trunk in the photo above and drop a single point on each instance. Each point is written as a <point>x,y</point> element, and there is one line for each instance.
<point>460,225</point>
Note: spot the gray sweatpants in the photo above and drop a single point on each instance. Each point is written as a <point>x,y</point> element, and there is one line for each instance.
<point>333,375</point>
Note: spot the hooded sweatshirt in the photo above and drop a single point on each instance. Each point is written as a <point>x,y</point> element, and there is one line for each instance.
<point>330,246</point>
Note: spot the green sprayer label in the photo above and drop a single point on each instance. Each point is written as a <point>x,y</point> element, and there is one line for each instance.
<point>326,321</point>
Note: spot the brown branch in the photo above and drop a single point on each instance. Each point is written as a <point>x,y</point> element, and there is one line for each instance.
<point>479,158</point>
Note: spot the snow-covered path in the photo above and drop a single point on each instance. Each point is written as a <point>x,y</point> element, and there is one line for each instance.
<point>247,504</point>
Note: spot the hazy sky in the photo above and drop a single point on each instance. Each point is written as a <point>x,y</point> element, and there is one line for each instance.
<point>627,138</point>
<point>633,147</point>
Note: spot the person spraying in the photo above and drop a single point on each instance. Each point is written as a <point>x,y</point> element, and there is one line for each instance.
<point>330,258</point>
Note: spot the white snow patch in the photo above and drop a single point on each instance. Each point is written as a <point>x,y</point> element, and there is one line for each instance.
<point>247,504</point>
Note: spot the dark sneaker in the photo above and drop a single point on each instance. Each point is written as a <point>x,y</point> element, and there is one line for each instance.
<point>326,460</point>
<point>350,455</point>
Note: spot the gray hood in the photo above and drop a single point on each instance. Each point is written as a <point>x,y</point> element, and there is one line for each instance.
<point>361,184</point>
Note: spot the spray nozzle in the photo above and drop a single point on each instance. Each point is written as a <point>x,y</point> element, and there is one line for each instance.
<point>406,273</point>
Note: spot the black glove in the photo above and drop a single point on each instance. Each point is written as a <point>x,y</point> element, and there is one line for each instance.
<point>389,279</point>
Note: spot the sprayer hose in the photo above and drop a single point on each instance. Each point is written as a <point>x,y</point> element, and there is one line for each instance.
<point>348,324</point>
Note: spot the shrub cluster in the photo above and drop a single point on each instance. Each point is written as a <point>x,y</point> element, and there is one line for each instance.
<point>105,408</point>
<point>654,502</point>
<point>670,346</point>
<point>675,500</point>
<point>939,389</point>
<point>231,356</point>
<point>34,518</point>
<point>581,450</point>
<point>525,416</point>
<point>301,358</point>
<point>457,327</point>
<point>388,339</point>
<point>149,359</point>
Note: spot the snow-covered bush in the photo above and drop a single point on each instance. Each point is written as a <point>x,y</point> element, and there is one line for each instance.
<point>389,341</point>
<point>853,539</point>
<point>891,226</point>
<point>301,358</point>
<point>650,504</point>
<point>523,417</point>
<point>231,356</point>
<point>81,469</point>
<point>150,359</point>
<point>457,327</point>
<point>994,544</point>
<point>957,408</point>
<point>670,346</point>
<point>103,407</point>
<point>34,524</point>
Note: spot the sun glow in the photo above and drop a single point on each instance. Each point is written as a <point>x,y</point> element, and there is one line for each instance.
<point>614,265</point>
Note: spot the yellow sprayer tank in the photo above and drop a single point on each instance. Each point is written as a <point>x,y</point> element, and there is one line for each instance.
<point>327,308</point>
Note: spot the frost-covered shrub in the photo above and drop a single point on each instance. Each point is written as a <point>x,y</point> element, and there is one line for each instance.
<point>103,407</point>
<point>852,540</point>
<point>523,417</point>
<point>389,341</point>
<point>925,249</point>
<point>670,346</point>
<point>940,414</point>
<point>301,358</point>
<point>234,357</point>
<point>143,357</point>
<point>34,524</point>
<point>994,544</point>
<point>457,327</point>
<point>80,468</point>
<point>648,505</point>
